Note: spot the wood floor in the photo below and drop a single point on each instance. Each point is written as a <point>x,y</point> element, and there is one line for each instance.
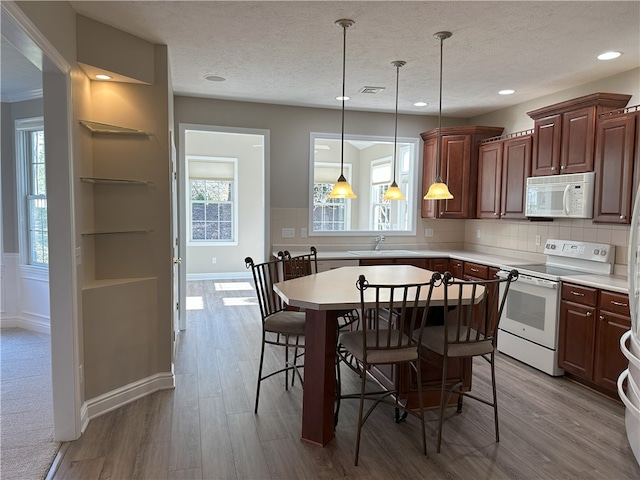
<point>550,428</point>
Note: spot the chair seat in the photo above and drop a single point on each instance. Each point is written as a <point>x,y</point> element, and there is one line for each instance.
<point>286,321</point>
<point>433,339</point>
<point>353,342</point>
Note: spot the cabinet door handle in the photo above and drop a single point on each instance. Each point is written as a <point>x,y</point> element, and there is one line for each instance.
<point>577,293</point>
<point>553,168</point>
<point>620,304</point>
<point>601,317</point>
<point>495,214</point>
<point>622,217</point>
<point>562,167</point>
<point>588,314</point>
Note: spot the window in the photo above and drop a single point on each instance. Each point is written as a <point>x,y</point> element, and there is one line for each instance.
<point>329,214</point>
<point>368,166</point>
<point>213,199</point>
<point>32,189</point>
<point>381,178</point>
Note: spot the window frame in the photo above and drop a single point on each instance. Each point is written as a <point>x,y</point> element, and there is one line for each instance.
<point>24,180</point>
<point>189,210</point>
<point>347,205</point>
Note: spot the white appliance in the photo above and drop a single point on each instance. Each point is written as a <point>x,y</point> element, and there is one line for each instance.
<point>562,196</point>
<point>630,341</point>
<point>529,325</point>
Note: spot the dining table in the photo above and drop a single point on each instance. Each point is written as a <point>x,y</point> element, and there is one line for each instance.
<point>323,296</point>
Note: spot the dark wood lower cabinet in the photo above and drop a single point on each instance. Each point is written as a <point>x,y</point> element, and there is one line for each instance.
<point>591,324</point>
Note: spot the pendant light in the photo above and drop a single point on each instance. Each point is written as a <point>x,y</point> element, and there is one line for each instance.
<point>342,189</point>
<point>394,192</point>
<point>438,189</point>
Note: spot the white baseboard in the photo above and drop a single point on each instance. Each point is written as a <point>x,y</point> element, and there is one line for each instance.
<point>121,396</point>
<point>218,276</point>
<point>33,324</point>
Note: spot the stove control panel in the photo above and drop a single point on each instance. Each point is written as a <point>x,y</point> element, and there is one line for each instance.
<point>594,252</point>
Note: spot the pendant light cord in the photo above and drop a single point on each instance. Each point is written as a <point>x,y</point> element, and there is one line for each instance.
<point>438,178</point>
<point>395,134</point>
<point>344,66</point>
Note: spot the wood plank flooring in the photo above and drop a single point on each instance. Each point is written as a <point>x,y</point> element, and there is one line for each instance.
<point>550,428</point>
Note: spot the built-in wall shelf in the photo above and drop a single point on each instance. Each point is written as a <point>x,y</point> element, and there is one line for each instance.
<point>105,129</point>
<point>110,282</point>
<point>113,181</point>
<point>115,232</point>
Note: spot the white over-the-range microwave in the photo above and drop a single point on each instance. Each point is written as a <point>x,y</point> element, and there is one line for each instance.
<point>560,196</point>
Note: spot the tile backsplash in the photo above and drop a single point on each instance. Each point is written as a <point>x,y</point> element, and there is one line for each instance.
<point>498,236</point>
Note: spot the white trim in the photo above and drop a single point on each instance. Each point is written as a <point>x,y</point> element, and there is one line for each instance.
<point>22,96</point>
<point>32,324</point>
<point>12,10</point>
<point>192,277</point>
<point>123,395</point>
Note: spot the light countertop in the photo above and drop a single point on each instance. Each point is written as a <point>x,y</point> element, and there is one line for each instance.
<point>616,283</point>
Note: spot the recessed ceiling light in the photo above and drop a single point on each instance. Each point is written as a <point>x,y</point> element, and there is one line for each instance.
<point>214,78</point>
<point>420,104</point>
<point>340,98</point>
<point>609,55</point>
<point>507,91</point>
<point>102,76</point>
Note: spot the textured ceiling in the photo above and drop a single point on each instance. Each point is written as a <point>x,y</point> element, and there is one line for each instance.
<point>291,52</point>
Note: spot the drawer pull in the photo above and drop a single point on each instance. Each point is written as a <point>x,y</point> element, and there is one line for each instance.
<point>620,304</point>
<point>578,294</point>
<point>474,270</point>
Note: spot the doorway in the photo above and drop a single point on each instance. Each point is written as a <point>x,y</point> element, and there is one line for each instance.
<point>223,200</point>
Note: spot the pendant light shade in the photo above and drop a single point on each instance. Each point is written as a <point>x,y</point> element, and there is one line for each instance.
<point>438,189</point>
<point>394,192</point>
<point>342,189</point>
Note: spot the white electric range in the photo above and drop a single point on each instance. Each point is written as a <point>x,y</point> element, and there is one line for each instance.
<point>528,329</point>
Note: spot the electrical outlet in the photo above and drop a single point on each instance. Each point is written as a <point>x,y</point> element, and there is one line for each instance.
<point>303,232</point>
<point>288,233</point>
<point>478,233</point>
<point>537,239</point>
<point>214,259</point>
<point>428,232</point>
<point>81,374</point>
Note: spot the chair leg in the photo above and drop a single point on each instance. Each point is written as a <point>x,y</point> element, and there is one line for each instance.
<point>362,390</point>
<point>421,406</point>
<point>336,412</point>
<point>295,359</point>
<point>259,374</point>
<point>443,400</point>
<point>495,397</point>
<point>286,363</point>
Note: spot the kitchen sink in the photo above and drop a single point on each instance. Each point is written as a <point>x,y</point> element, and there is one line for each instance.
<point>385,253</point>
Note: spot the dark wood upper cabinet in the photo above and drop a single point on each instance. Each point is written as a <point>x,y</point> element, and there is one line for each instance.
<point>503,168</point>
<point>614,167</point>
<point>564,133</point>
<point>458,169</point>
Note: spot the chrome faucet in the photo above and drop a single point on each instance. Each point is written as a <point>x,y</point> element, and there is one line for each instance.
<point>379,239</point>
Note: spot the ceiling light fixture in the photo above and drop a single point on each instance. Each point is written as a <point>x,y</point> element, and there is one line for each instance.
<point>609,55</point>
<point>342,189</point>
<point>394,192</point>
<point>102,76</point>
<point>507,91</point>
<point>420,104</point>
<point>438,189</point>
<point>214,78</point>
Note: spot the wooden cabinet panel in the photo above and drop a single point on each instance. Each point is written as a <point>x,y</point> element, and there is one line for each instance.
<point>476,271</point>
<point>579,294</point>
<point>578,138</point>
<point>438,264</point>
<point>564,133</point>
<point>456,267</point>
<point>577,338</point>
<point>614,162</point>
<point>429,159</point>
<point>546,146</point>
<point>609,360</point>
<point>516,167</point>
<point>458,169</point>
<point>503,168</point>
<point>617,303</point>
<point>489,180</point>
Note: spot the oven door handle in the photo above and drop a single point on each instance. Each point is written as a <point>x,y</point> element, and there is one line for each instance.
<point>523,278</point>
